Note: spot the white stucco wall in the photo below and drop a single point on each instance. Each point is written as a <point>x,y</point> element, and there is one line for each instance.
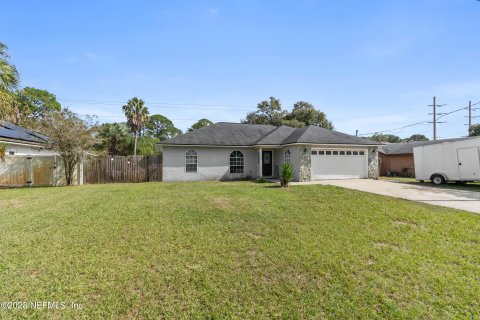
<point>213,164</point>
<point>294,160</point>
<point>22,149</point>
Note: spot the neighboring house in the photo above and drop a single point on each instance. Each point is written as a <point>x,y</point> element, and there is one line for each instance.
<point>21,141</point>
<point>28,161</point>
<point>396,159</point>
<point>231,151</point>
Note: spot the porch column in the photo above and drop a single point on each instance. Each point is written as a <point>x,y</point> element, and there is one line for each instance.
<point>260,162</point>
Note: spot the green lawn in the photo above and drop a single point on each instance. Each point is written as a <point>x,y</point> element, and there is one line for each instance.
<point>467,186</point>
<point>235,250</point>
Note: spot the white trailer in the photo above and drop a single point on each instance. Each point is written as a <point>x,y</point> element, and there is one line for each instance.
<point>448,161</point>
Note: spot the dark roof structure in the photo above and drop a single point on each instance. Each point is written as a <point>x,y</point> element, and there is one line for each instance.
<point>318,135</point>
<point>407,147</point>
<point>10,131</point>
<point>241,134</point>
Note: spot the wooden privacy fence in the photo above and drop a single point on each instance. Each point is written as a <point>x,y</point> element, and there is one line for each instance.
<point>122,169</point>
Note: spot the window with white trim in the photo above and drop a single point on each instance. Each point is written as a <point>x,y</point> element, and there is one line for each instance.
<point>287,156</point>
<point>237,162</point>
<point>191,161</point>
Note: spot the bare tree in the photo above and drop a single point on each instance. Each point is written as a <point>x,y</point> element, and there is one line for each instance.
<point>70,136</point>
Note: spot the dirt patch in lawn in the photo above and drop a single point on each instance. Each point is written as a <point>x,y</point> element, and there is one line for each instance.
<point>12,203</point>
<point>405,223</point>
<point>382,244</point>
<point>222,203</point>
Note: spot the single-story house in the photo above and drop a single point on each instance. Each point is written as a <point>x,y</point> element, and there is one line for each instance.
<point>396,159</point>
<point>231,151</point>
<point>20,141</point>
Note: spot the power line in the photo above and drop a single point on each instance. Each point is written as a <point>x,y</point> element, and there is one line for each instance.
<point>440,115</point>
<point>395,129</point>
<point>460,109</point>
<point>111,116</point>
<point>448,113</point>
<point>165,104</point>
<point>470,117</point>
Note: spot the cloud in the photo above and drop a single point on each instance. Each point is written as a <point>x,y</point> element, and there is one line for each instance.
<point>388,48</point>
<point>71,60</point>
<point>213,12</point>
<point>95,57</point>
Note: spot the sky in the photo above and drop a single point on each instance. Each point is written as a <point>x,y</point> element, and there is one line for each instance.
<point>371,66</point>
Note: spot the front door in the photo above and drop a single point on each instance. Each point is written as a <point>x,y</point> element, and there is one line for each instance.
<point>267,163</point>
<point>469,163</point>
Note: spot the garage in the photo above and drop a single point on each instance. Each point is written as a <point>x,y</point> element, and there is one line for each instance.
<point>339,164</point>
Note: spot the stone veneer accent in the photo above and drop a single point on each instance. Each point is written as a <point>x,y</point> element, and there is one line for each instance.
<point>305,164</point>
<point>373,163</point>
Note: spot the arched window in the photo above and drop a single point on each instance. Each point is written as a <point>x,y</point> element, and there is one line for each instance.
<point>237,162</point>
<point>287,156</point>
<point>191,161</point>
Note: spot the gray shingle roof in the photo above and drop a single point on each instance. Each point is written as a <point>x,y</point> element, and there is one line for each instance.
<point>240,134</point>
<point>277,136</point>
<point>13,132</point>
<point>223,134</point>
<point>407,147</point>
<point>318,135</point>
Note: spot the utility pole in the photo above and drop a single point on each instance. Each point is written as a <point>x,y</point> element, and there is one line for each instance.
<point>434,118</point>
<point>435,114</point>
<point>469,115</point>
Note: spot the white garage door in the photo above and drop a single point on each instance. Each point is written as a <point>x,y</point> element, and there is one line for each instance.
<point>339,164</point>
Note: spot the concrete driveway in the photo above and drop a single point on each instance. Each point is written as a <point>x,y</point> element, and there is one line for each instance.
<point>458,199</point>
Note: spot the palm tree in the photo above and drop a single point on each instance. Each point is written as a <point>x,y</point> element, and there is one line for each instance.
<point>137,115</point>
<point>115,137</point>
<point>9,78</point>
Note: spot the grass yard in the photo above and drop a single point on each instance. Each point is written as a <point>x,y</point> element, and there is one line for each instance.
<point>235,250</point>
